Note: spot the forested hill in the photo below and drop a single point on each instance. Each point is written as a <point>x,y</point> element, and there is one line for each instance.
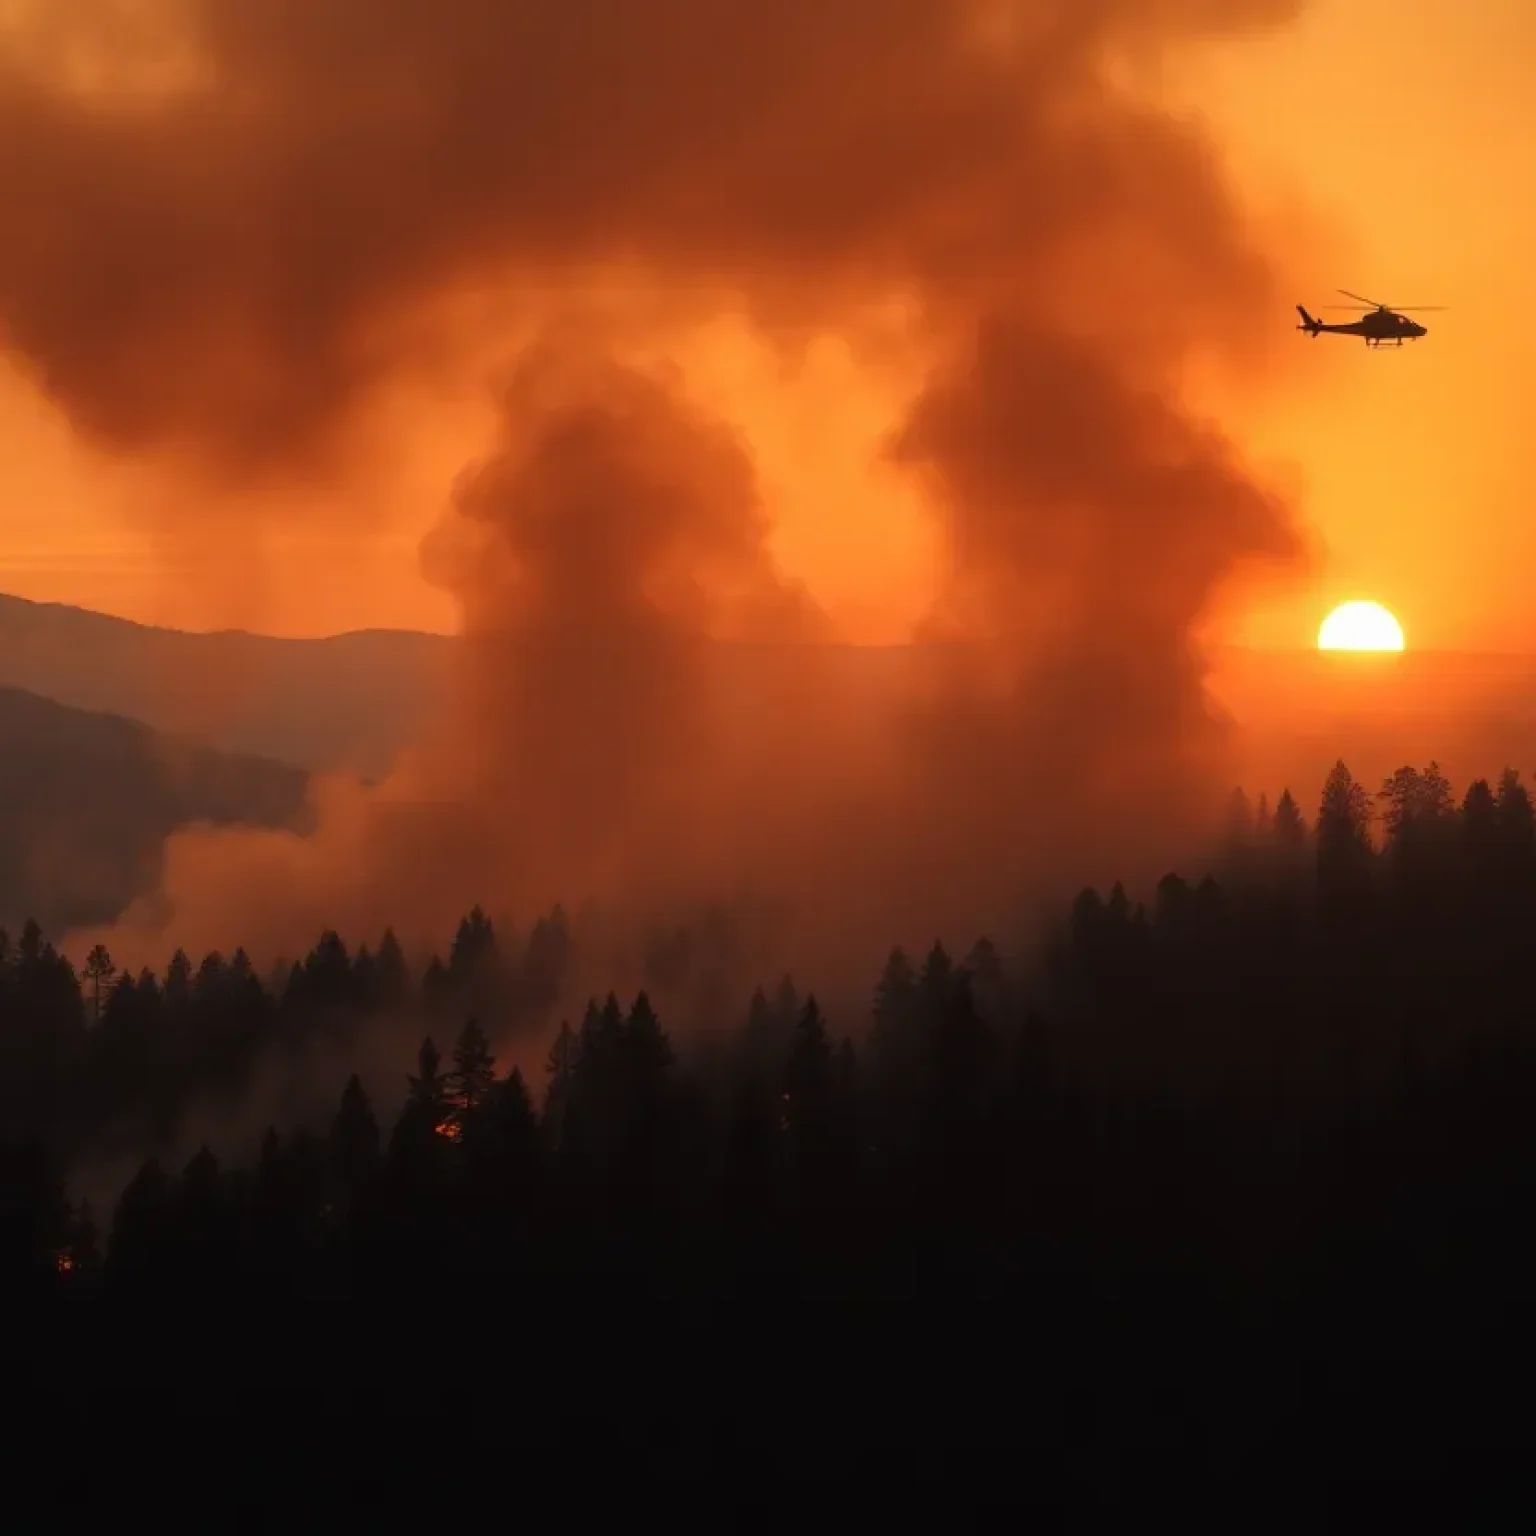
<point>86,802</point>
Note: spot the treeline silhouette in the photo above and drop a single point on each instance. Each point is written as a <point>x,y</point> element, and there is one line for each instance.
<point>1244,1173</point>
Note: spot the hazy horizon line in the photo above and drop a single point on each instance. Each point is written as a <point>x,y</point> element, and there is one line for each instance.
<point>1231,648</point>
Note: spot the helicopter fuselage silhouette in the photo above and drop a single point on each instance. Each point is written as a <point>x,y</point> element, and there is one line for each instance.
<point>1380,323</point>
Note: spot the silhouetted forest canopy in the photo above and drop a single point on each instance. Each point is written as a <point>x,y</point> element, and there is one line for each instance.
<point>1248,1165</point>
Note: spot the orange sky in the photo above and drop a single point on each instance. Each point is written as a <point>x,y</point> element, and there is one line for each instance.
<point>1405,127</point>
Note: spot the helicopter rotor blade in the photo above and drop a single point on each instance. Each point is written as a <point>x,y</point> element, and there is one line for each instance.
<point>1391,309</point>
<point>1388,309</point>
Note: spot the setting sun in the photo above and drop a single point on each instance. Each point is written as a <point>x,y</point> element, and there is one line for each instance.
<point>1360,627</point>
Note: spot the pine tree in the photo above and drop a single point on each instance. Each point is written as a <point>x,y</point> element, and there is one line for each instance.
<point>786,1006</point>
<point>1344,849</point>
<point>365,978</point>
<point>473,956</point>
<point>474,1069</point>
<point>808,1072</point>
<point>544,961</point>
<point>436,986</point>
<point>1517,819</point>
<point>1480,831</point>
<point>209,985</point>
<point>178,980</point>
<point>1414,806</point>
<point>895,1005</point>
<point>760,1040</point>
<point>392,978</point>
<point>429,1118</point>
<point>328,971</point>
<point>427,1091</point>
<point>962,1060</point>
<point>1289,827</point>
<point>933,988</point>
<point>560,1070</point>
<point>646,1047</point>
<point>508,1128</point>
<point>809,1095</point>
<point>99,971</point>
<point>355,1134</point>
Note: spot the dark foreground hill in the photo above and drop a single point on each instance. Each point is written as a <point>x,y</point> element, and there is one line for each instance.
<point>86,801</point>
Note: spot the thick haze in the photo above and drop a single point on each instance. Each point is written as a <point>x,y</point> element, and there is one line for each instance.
<point>241,228</point>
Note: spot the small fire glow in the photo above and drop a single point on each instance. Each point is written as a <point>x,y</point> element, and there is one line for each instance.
<point>65,1262</point>
<point>449,1129</point>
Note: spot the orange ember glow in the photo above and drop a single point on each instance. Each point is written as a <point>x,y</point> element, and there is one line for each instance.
<point>65,1262</point>
<point>450,1129</point>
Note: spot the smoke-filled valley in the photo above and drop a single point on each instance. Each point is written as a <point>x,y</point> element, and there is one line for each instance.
<point>956,192</point>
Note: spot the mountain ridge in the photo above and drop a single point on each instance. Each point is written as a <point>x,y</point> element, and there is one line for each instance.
<point>350,702</point>
<point>343,703</point>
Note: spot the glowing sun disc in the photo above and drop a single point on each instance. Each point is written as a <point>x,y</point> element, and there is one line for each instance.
<point>1360,627</point>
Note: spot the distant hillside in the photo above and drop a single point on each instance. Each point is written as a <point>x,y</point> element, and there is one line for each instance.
<point>345,702</point>
<point>86,801</point>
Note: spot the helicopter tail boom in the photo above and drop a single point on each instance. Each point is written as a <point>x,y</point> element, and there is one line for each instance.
<point>1308,324</point>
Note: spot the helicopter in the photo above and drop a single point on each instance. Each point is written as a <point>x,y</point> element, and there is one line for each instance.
<point>1380,322</point>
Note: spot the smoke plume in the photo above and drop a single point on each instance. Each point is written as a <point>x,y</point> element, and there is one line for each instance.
<point>231,232</point>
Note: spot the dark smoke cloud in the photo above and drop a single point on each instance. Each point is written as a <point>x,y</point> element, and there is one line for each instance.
<point>230,263</point>
<point>1089,523</point>
<point>216,263</point>
<point>614,531</point>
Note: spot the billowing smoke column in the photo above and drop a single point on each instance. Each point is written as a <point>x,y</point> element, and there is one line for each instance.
<point>226,236</point>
